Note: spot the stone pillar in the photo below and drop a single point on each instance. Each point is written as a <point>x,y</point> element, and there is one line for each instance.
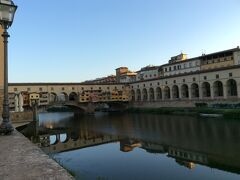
<point>212,91</point>
<point>238,89</point>
<point>225,91</point>
<point>58,139</point>
<point>180,92</point>
<point>155,94</point>
<point>189,92</point>
<point>171,94</point>
<point>200,92</point>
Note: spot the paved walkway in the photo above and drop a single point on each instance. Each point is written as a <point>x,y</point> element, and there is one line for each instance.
<point>22,160</point>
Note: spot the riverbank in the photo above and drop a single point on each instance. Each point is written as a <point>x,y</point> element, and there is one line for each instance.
<point>226,113</point>
<point>22,160</point>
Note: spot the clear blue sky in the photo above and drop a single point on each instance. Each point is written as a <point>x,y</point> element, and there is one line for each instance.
<point>76,40</point>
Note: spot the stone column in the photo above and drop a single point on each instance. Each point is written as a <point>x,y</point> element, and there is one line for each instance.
<point>225,91</point>
<point>189,92</point>
<point>212,91</point>
<point>171,94</point>
<point>200,92</point>
<point>180,92</point>
<point>155,94</point>
<point>238,89</point>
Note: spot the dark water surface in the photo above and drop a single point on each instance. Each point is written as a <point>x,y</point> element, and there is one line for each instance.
<point>140,146</point>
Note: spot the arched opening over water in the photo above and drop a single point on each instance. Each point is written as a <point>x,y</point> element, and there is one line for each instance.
<point>195,90</point>
<point>206,90</point>
<point>63,138</point>
<point>151,94</point>
<point>175,92</point>
<point>62,97</point>
<point>145,94</point>
<point>184,90</point>
<point>133,95</point>
<point>218,89</point>
<point>53,139</point>
<point>73,96</point>
<point>159,93</point>
<point>74,136</point>
<point>166,92</point>
<point>138,95</point>
<point>52,97</point>
<point>232,87</point>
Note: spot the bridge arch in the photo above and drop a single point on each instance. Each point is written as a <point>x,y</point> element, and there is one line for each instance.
<point>175,92</point>
<point>218,89</point>
<point>62,97</point>
<point>63,138</point>
<point>52,97</point>
<point>151,94</point>
<point>206,90</point>
<point>53,139</point>
<point>74,136</point>
<point>73,97</point>
<point>232,87</point>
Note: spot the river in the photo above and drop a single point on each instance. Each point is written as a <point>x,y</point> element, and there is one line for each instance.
<point>140,146</point>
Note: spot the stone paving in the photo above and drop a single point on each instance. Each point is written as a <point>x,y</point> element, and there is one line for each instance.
<point>22,160</point>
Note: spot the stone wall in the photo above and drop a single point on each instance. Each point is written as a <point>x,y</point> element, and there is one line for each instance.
<point>19,117</point>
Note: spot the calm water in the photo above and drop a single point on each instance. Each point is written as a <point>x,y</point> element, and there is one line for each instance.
<point>140,146</point>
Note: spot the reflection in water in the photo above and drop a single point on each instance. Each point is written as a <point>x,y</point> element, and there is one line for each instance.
<point>210,142</point>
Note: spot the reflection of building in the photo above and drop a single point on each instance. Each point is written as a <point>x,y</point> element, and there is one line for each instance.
<point>187,164</point>
<point>186,157</point>
<point>188,140</point>
<point>127,145</point>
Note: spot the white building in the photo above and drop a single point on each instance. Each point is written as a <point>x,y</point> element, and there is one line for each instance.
<point>186,66</point>
<point>148,72</point>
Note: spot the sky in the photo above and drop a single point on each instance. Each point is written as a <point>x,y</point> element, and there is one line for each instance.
<point>77,40</point>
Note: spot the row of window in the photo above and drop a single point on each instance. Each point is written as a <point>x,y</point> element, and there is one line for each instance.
<point>178,67</point>
<point>193,79</point>
<point>146,76</point>
<point>204,62</point>
<point>73,88</point>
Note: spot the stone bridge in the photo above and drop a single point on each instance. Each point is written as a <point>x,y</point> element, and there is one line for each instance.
<point>91,107</point>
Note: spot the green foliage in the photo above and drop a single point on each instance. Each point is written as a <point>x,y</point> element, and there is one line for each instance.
<point>227,113</point>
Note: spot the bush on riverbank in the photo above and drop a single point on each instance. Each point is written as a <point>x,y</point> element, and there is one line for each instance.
<point>227,113</point>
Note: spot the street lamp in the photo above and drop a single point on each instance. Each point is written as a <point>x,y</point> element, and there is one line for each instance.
<point>7,11</point>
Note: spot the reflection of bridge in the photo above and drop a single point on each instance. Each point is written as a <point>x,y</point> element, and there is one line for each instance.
<point>188,140</point>
<point>90,107</point>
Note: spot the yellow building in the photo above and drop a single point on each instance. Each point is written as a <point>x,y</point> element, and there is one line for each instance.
<point>218,59</point>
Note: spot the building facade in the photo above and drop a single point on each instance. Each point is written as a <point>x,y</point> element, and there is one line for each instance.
<point>212,77</point>
<point>148,72</point>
